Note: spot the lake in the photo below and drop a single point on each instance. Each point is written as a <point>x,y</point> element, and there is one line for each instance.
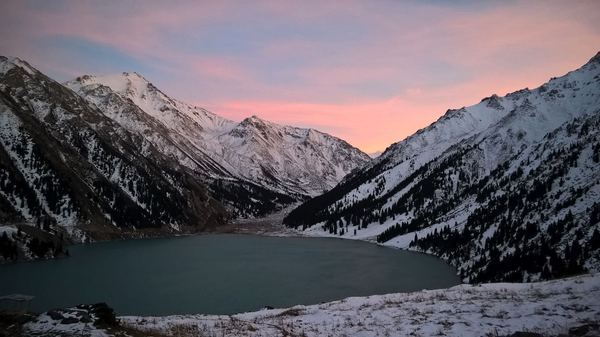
<point>221,274</point>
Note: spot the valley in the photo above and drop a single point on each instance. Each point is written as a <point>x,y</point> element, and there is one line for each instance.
<point>71,153</point>
<point>215,169</point>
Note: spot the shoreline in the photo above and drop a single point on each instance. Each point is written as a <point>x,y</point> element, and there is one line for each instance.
<point>533,303</point>
<point>550,308</point>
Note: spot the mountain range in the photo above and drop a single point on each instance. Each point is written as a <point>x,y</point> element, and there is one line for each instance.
<point>286,159</point>
<point>104,157</point>
<point>505,190</point>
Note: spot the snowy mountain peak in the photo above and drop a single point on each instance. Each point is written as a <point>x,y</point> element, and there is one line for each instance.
<point>9,62</point>
<point>126,83</point>
<point>254,117</point>
<point>283,158</point>
<point>595,59</point>
<point>68,164</point>
<point>171,112</point>
<point>493,101</point>
<point>136,75</point>
<point>254,120</point>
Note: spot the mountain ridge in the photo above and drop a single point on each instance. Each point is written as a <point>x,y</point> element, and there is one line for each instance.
<point>100,164</point>
<point>432,181</point>
<point>65,165</point>
<point>247,149</point>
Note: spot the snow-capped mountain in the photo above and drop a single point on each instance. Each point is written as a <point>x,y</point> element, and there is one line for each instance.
<point>121,158</point>
<point>300,162</point>
<point>507,189</point>
<point>69,169</point>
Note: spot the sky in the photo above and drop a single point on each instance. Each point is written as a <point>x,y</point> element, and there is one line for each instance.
<point>370,72</point>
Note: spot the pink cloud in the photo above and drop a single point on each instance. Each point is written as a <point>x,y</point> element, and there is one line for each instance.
<point>219,68</point>
<point>429,58</point>
<point>387,121</point>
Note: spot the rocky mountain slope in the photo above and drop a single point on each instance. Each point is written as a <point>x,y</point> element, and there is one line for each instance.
<point>68,168</point>
<point>289,160</point>
<point>507,189</point>
<point>175,136</point>
<point>115,156</point>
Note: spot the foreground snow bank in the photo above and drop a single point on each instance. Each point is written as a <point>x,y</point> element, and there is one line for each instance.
<point>550,307</point>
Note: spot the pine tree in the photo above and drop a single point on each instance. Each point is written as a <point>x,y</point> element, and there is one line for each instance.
<point>413,243</point>
<point>595,240</point>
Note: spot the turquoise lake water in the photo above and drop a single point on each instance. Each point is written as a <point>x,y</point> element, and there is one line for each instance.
<point>221,274</point>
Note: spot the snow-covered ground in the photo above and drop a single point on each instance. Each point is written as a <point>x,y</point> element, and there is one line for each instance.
<point>551,307</point>
<point>9,230</point>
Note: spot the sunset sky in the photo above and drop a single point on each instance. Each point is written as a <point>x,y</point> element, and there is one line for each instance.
<point>370,72</point>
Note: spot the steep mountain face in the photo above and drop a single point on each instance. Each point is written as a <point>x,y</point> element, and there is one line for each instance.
<point>507,189</point>
<point>73,171</point>
<point>115,157</point>
<point>285,160</point>
<point>298,160</point>
<point>175,136</point>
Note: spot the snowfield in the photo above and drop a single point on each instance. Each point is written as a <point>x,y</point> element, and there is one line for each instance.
<point>551,307</point>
